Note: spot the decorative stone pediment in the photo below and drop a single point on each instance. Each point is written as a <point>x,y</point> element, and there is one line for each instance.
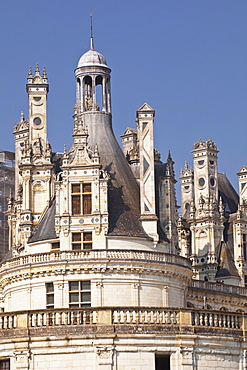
<point>80,157</point>
<point>145,107</point>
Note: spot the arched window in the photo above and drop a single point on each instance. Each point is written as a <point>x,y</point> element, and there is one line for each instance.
<point>87,93</point>
<point>99,93</point>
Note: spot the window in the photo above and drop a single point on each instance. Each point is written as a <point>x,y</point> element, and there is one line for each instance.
<point>79,294</point>
<point>1,192</point>
<point>49,295</point>
<point>81,199</point>
<point>245,246</point>
<point>1,223</point>
<point>55,246</point>
<point>1,207</point>
<point>162,362</point>
<point>4,364</point>
<point>245,281</point>
<point>82,241</point>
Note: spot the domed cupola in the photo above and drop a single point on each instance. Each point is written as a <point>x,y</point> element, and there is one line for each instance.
<point>93,82</point>
<point>92,58</point>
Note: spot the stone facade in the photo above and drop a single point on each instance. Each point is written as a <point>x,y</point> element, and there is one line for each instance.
<point>99,273</point>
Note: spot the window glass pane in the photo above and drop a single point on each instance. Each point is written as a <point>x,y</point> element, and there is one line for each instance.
<point>86,296</point>
<point>76,237</point>
<point>74,305</point>
<point>50,299</point>
<point>87,204</point>
<point>74,297</point>
<point>74,285</point>
<point>76,247</point>
<point>76,205</point>
<point>87,237</point>
<point>86,188</point>
<point>76,188</point>
<point>87,246</point>
<point>85,285</point>
<point>49,287</point>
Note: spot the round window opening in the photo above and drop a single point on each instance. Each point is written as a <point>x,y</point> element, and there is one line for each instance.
<point>37,121</point>
<point>201,181</point>
<point>212,181</point>
<point>201,162</point>
<point>37,98</point>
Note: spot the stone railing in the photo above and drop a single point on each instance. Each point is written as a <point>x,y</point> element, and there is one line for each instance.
<point>95,254</point>
<point>151,317</point>
<point>218,287</point>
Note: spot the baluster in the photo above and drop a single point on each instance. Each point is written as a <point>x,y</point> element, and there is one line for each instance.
<point>34,319</point>
<point>224,321</point>
<point>201,319</point>
<point>60,318</point>
<point>5,322</point>
<point>149,317</point>
<point>206,318</point>
<point>131,317</point>
<point>124,316</point>
<point>1,322</point>
<point>216,321</point>
<point>142,317</point>
<point>91,317</point>
<point>220,321</point>
<point>176,318</point>
<point>228,321</point>
<point>197,318</point>
<point>167,317</point>
<point>84,317</point>
<point>155,317</point>
<point>118,317</point>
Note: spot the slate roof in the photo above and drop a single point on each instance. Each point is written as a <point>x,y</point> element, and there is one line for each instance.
<point>227,266</point>
<point>45,229</point>
<point>229,196</point>
<point>123,189</point>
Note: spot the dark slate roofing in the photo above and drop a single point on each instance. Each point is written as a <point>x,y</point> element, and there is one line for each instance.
<point>123,190</point>
<point>227,192</point>
<point>227,266</point>
<point>160,171</point>
<point>45,229</point>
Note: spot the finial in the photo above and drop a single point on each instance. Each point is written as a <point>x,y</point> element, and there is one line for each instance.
<point>37,69</point>
<point>44,72</point>
<point>22,117</point>
<point>64,148</point>
<point>91,30</point>
<point>169,158</point>
<point>30,73</point>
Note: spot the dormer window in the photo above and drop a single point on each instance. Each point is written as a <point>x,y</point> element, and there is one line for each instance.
<point>81,199</point>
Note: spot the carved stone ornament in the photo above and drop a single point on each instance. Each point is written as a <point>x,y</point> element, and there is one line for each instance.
<point>187,355</point>
<point>104,355</point>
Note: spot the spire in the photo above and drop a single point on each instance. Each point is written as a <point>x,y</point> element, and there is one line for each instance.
<point>91,30</point>
<point>44,72</point>
<point>37,69</point>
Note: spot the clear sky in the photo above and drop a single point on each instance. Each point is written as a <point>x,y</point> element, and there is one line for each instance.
<point>185,58</point>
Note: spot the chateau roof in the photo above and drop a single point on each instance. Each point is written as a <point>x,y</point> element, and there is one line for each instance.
<point>228,193</point>
<point>46,228</point>
<point>92,58</point>
<point>123,190</point>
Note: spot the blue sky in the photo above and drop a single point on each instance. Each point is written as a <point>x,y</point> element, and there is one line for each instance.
<point>186,58</point>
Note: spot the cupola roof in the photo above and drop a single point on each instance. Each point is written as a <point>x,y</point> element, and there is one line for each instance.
<point>92,58</point>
